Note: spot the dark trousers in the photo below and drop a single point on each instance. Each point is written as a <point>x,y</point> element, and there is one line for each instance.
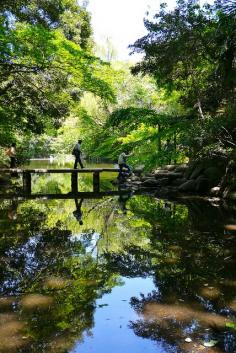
<point>78,160</point>
<point>13,162</point>
<point>124,165</point>
<point>122,174</point>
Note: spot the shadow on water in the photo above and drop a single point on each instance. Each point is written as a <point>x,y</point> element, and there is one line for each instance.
<point>118,273</point>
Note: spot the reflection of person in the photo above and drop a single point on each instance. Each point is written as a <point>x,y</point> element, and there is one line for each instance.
<point>123,198</point>
<point>12,212</point>
<point>167,207</point>
<point>11,152</point>
<point>77,153</point>
<point>169,148</point>
<point>78,212</point>
<point>123,166</point>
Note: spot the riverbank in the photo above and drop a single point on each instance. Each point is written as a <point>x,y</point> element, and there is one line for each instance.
<point>214,178</point>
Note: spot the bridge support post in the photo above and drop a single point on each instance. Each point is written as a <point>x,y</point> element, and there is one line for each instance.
<point>74,182</point>
<point>27,182</point>
<point>96,182</point>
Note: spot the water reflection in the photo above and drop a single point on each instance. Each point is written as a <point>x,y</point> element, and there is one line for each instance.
<point>78,212</point>
<point>138,274</point>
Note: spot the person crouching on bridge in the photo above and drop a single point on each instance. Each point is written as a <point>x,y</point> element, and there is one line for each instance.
<point>123,166</point>
<point>77,153</point>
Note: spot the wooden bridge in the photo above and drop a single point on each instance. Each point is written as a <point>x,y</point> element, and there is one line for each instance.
<point>27,173</point>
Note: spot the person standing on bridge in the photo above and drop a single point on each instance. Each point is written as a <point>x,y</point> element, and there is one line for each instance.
<point>77,153</point>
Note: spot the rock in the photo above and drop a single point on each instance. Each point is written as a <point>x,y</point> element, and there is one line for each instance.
<point>169,175</point>
<point>202,184</point>
<point>215,191</point>
<point>135,178</point>
<point>174,175</point>
<point>181,168</point>
<point>144,178</point>
<point>169,167</point>
<point>167,192</point>
<point>178,182</point>
<point>135,188</point>
<point>137,182</point>
<point>150,182</point>
<point>213,174</point>
<point>138,170</point>
<point>196,172</point>
<point>162,182</point>
<point>160,171</point>
<point>161,175</point>
<point>229,195</point>
<point>189,185</point>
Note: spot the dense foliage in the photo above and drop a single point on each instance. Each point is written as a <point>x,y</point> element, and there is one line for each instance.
<point>184,90</point>
<point>46,63</point>
<point>192,49</point>
<point>54,89</point>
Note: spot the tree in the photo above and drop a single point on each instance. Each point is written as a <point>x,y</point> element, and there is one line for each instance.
<point>183,51</point>
<point>45,64</point>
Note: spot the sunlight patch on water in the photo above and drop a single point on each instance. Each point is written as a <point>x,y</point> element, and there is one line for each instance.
<point>210,292</point>
<point>55,283</point>
<point>164,313</point>
<point>11,337</point>
<point>36,301</point>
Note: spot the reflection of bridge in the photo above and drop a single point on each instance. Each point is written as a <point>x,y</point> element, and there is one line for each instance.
<point>69,196</point>
<point>26,173</point>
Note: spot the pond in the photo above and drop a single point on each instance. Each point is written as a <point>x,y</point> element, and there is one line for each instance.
<point>121,274</point>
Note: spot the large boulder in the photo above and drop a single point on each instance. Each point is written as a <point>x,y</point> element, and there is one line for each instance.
<point>189,185</point>
<point>178,181</point>
<point>196,172</point>
<point>163,182</point>
<point>202,184</point>
<point>150,182</point>
<point>213,174</point>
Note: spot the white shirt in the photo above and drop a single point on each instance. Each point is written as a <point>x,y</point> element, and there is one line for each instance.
<point>122,158</point>
<point>77,147</point>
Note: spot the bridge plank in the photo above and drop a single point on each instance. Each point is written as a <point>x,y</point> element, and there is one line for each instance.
<point>58,171</point>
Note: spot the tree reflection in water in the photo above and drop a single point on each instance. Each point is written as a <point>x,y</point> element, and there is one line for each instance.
<point>53,269</point>
<point>49,283</point>
<point>195,277</point>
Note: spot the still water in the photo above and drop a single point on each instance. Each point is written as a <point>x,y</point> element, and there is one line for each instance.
<point>120,274</point>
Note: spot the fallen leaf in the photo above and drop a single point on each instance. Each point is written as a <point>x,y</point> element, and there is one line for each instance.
<point>211,343</point>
